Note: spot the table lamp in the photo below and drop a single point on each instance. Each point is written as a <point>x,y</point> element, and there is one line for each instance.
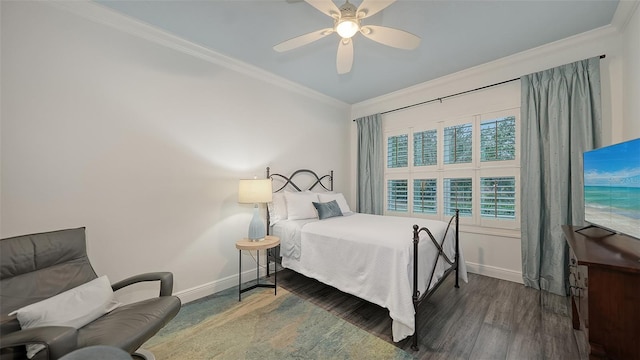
<point>255,191</point>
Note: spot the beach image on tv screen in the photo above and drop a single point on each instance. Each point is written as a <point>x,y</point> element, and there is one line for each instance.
<point>612,187</point>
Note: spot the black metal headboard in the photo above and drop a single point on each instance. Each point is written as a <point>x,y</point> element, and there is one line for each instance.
<point>288,180</point>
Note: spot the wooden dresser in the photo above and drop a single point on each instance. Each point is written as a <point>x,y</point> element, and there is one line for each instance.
<point>604,278</point>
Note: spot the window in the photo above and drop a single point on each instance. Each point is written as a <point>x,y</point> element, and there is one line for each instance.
<point>458,194</point>
<point>397,151</point>
<point>498,197</point>
<point>466,163</point>
<point>458,141</point>
<point>498,139</point>
<point>397,195</point>
<point>425,148</point>
<point>425,196</point>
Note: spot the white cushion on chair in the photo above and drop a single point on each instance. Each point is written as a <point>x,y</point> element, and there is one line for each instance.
<point>75,308</point>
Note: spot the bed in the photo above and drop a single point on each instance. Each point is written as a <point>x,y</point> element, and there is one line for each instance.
<point>394,262</point>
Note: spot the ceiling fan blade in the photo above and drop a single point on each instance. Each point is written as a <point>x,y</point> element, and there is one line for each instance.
<point>302,40</point>
<point>326,6</point>
<point>370,7</point>
<point>391,37</point>
<point>344,61</point>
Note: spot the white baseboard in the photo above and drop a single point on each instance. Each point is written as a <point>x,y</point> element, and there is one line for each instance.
<point>495,272</point>
<point>213,287</point>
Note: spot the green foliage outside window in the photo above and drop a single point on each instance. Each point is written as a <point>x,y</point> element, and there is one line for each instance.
<point>458,142</point>
<point>425,148</point>
<point>498,139</point>
<point>398,151</point>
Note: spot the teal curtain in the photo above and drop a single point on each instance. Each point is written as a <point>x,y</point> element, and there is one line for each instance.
<point>370,175</point>
<point>561,118</point>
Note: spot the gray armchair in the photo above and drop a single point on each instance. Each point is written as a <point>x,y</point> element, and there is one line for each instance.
<point>38,266</point>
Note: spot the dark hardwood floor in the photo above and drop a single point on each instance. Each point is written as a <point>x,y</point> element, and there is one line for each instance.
<point>486,318</point>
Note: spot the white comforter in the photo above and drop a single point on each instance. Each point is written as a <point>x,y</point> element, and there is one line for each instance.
<point>369,256</point>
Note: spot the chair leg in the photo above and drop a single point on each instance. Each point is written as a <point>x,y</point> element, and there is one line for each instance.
<point>143,354</point>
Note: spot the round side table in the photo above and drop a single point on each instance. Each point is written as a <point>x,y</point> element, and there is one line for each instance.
<point>269,242</point>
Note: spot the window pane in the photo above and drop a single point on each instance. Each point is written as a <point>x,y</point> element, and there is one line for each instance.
<point>458,195</point>
<point>424,196</point>
<point>397,195</point>
<point>458,144</point>
<point>425,148</point>
<point>498,139</point>
<point>397,151</point>
<point>498,197</point>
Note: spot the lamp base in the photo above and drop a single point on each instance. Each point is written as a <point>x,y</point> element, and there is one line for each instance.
<point>257,231</point>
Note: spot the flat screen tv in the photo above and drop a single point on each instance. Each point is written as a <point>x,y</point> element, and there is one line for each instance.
<point>612,187</point>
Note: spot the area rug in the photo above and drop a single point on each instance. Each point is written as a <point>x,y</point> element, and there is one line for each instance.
<point>264,326</point>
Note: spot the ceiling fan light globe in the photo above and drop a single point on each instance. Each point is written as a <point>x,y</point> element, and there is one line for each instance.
<point>347,28</point>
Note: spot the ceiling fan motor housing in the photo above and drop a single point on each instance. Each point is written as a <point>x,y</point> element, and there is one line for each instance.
<point>348,10</point>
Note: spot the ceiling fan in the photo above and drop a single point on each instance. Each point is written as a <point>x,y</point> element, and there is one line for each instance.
<point>346,23</point>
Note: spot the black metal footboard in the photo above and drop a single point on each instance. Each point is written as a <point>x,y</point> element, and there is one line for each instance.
<point>417,297</point>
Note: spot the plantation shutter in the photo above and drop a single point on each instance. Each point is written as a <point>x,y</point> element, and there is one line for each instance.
<point>458,194</point>
<point>498,139</point>
<point>425,148</point>
<point>498,197</point>
<point>397,195</point>
<point>398,151</point>
<point>458,141</point>
<point>425,196</point>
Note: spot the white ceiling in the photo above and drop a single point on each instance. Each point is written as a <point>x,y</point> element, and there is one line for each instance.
<point>456,34</point>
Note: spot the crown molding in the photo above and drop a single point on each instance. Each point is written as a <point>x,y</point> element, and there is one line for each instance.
<point>624,13</point>
<point>100,14</point>
<point>477,72</point>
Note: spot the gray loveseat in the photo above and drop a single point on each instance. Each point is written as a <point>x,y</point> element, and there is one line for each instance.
<point>38,266</point>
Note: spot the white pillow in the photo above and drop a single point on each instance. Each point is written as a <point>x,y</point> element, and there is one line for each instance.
<point>277,208</point>
<point>75,308</point>
<point>339,198</point>
<point>300,205</point>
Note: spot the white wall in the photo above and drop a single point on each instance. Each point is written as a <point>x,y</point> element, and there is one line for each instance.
<point>144,144</point>
<point>498,253</point>
<point>141,137</point>
<point>631,44</point>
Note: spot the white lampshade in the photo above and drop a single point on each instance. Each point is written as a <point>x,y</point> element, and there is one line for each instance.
<point>253,191</point>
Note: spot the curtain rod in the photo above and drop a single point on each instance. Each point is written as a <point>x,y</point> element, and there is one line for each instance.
<point>456,94</point>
